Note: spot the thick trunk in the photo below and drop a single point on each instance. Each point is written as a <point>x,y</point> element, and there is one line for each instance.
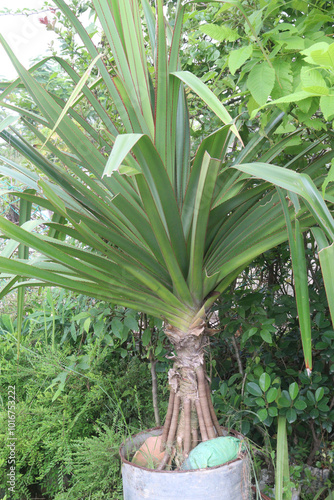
<point>190,416</point>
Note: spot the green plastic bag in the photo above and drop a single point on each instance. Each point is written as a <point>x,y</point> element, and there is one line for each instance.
<point>214,452</point>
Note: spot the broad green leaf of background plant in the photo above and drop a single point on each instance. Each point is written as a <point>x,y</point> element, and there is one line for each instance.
<point>294,97</point>
<point>312,81</point>
<point>327,105</point>
<point>264,381</point>
<point>219,33</point>
<point>260,82</point>
<point>320,54</point>
<point>238,57</point>
<point>253,22</point>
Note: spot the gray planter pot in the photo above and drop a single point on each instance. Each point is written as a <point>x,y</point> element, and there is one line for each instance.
<point>230,481</point>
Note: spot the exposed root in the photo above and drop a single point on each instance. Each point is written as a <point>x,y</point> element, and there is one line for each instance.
<point>194,426</point>
<point>212,411</point>
<point>190,416</point>
<point>194,438</point>
<point>202,393</point>
<point>165,460</point>
<point>168,420</point>
<point>175,406</point>
<point>174,421</point>
<point>187,427</point>
<point>202,426</point>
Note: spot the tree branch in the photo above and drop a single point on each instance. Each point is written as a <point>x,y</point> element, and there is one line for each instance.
<point>27,14</point>
<point>154,388</point>
<point>237,355</point>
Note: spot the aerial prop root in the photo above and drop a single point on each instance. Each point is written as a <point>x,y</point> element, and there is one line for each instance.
<point>185,416</point>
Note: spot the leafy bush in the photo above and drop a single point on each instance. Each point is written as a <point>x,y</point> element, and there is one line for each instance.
<point>258,363</point>
<point>96,467</point>
<point>77,397</point>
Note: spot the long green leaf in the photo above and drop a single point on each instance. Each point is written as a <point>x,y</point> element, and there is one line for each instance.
<point>78,190</point>
<point>115,271</point>
<point>180,139</point>
<point>298,183</point>
<point>131,26</point>
<point>70,183</point>
<point>150,22</point>
<point>95,275</point>
<point>8,87</point>
<point>11,246</point>
<point>9,120</point>
<point>208,97</point>
<point>70,133</point>
<point>269,238</point>
<point>129,53</point>
<point>203,200</point>
<point>326,256</point>
<point>323,490</point>
<point>102,68</point>
<point>23,253</point>
<point>168,251</point>
<point>300,281</point>
<point>162,115</point>
<point>142,301</point>
<point>29,239</point>
<point>26,180</point>
<point>96,136</point>
<point>294,97</point>
<point>277,148</point>
<point>253,146</point>
<point>110,228</point>
<point>122,147</point>
<point>215,145</point>
<point>26,113</point>
<point>92,195</point>
<point>282,492</point>
<point>88,93</point>
<point>176,40</point>
<point>76,91</point>
<point>8,286</point>
<point>138,224</point>
<point>179,134</point>
<point>242,233</point>
<point>160,187</point>
<point>136,252</point>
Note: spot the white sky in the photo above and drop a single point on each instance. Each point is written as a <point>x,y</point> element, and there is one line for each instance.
<point>27,37</point>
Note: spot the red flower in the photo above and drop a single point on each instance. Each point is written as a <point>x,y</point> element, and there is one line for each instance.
<point>44,20</point>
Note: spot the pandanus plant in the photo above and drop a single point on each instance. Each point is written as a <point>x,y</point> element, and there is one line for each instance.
<point>154,229</point>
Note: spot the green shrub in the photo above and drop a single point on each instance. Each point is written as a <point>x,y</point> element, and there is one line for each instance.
<point>76,398</point>
<point>96,466</point>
